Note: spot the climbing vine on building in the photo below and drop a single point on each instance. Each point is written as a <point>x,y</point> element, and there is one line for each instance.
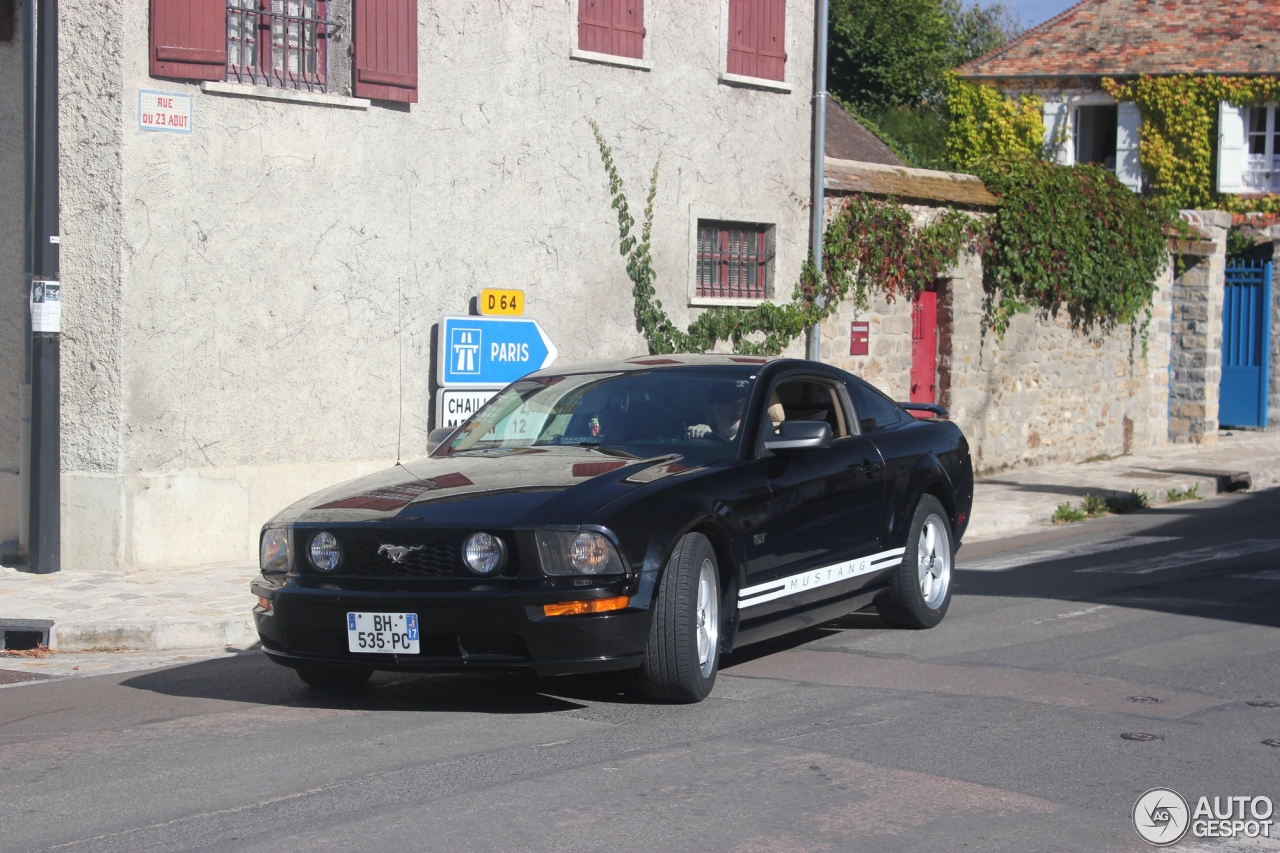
<point>985,124</point>
<point>1074,239</point>
<point>868,244</point>
<point>1178,133</point>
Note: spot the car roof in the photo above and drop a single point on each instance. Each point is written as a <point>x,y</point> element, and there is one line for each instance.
<point>661,362</point>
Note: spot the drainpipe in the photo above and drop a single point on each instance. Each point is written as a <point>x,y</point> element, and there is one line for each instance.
<point>44,545</point>
<point>28,219</point>
<point>816,223</point>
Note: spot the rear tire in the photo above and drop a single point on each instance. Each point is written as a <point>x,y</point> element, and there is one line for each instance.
<point>919,592</point>
<point>683,652</point>
<point>335,678</point>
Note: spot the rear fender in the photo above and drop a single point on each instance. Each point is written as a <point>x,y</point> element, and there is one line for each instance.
<point>927,477</point>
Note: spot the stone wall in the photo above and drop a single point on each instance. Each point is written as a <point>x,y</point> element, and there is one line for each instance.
<point>1045,393</point>
<point>1196,350</point>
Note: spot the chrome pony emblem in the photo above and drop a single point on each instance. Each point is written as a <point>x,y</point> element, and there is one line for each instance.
<point>397,553</point>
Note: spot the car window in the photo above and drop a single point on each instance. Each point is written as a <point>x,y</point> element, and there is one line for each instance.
<point>639,414</point>
<point>875,411</point>
<point>805,400</point>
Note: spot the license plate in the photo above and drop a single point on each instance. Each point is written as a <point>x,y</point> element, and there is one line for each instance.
<point>383,633</point>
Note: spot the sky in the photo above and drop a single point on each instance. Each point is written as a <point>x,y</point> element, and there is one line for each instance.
<point>1035,12</point>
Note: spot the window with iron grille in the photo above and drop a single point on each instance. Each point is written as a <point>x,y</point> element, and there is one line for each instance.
<point>735,260</point>
<point>280,43</point>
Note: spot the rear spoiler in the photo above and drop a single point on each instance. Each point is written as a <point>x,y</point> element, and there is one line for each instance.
<point>934,408</point>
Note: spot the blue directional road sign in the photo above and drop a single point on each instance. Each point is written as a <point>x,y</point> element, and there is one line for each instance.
<point>491,351</point>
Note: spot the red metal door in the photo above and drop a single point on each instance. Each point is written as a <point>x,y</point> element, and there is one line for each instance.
<point>924,347</point>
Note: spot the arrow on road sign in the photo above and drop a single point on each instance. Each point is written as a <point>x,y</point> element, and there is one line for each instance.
<point>489,351</point>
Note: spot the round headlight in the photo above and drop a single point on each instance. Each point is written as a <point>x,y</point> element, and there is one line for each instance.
<point>325,552</point>
<point>589,553</point>
<point>483,553</point>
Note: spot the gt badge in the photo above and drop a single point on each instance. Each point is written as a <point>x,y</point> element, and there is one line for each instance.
<point>397,553</point>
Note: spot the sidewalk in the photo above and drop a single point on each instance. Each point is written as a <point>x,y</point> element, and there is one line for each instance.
<point>209,606</point>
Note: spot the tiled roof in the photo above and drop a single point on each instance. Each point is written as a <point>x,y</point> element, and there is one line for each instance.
<point>1132,37</point>
<point>847,139</point>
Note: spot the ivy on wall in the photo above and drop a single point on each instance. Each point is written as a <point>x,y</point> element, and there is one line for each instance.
<point>987,125</point>
<point>1070,238</point>
<point>868,244</point>
<point>1073,238</point>
<point>1178,134</point>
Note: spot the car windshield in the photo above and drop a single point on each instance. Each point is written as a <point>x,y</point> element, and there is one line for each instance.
<point>632,414</point>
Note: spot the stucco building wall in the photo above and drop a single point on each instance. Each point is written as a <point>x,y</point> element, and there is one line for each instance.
<point>249,308</point>
<point>13,290</point>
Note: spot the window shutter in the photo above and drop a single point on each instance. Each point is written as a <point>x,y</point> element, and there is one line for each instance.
<point>615,27</point>
<point>1128,164</point>
<point>189,39</point>
<point>386,50</point>
<point>757,38</point>
<point>1057,132</point>
<point>1231,123</point>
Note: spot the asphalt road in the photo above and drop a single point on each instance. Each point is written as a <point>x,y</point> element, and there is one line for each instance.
<point>998,730</point>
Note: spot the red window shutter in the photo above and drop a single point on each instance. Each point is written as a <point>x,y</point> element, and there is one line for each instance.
<point>189,39</point>
<point>386,50</point>
<point>757,38</point>
<point>615,27</point>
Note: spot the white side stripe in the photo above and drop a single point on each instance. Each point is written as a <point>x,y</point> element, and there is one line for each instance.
<point>821,576</point>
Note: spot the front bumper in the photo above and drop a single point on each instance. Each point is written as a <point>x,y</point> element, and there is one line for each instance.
<point>474,629</point>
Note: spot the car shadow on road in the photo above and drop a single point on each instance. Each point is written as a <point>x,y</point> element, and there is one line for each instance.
<point>252,678</point>
<point>1217,560</point>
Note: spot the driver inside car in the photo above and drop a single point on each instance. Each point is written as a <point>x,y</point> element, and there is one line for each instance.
<point>726,403</point>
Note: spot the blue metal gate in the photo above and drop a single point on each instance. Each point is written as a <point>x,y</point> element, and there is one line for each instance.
<point>1246,345</point>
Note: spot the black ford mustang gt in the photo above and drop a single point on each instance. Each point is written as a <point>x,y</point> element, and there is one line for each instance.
<point>647,515</point>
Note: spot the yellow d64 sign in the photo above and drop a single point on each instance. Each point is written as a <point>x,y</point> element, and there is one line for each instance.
<point>508,302</point>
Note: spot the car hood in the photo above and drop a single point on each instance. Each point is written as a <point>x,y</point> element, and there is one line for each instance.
<point>513,487</point>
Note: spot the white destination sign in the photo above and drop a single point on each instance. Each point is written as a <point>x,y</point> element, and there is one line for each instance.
<point>166,112</point>
<point>454,407</point>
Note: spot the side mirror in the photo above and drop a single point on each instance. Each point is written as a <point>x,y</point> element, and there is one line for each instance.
<point>437,437</point>
<point>799,435</point>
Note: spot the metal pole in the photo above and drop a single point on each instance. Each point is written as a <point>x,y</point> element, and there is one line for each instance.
<point>29,241</point>
<point>817,222</point>
<point>44,539</point>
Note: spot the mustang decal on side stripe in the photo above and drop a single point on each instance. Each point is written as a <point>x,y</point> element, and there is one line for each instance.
<point>821,576</point>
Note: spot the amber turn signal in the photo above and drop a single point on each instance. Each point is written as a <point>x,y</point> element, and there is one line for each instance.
<point>575,608</point>
<point>264,603</point>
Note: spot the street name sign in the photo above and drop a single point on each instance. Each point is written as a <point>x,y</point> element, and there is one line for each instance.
<point>480,352</point>
<point>168,112</point>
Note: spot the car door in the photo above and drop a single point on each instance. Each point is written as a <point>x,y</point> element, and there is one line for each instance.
<point>826,503</point>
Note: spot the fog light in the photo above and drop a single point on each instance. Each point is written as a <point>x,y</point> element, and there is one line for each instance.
<point>325,551</point>
<point>576,608</point>
<point>483,553</point>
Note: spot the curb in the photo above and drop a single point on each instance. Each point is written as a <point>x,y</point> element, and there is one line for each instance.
<point>1207,483</point>
<point>152,635</point>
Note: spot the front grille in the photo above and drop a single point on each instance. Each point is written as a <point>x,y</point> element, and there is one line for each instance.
<point>424,554</point>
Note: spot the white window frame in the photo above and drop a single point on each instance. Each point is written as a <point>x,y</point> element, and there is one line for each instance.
<point>784,85</point>
<point>1262,171</point>
<point>719,214</point>
<point>643,64</point>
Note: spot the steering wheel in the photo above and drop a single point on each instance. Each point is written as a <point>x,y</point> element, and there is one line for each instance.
<point>717,437</point>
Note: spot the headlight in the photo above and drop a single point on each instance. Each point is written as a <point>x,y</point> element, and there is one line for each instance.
<point>571,552</point>
<point>483,553</point>
<point>325,552</point>
<point>273,556</point>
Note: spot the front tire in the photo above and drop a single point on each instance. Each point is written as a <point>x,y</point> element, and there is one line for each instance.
<point>920,591</point>
<point>683,652</point>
